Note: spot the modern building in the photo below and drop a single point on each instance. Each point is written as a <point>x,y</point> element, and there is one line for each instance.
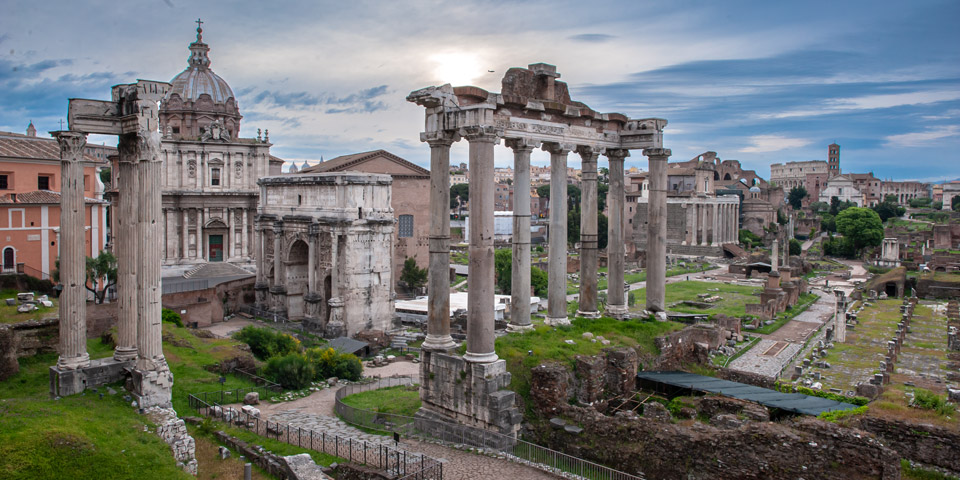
<point>30,204</point>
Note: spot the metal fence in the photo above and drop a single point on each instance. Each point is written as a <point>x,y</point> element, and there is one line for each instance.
<point>522,451</point>
<point>394,461</point>
<point>267,316</point>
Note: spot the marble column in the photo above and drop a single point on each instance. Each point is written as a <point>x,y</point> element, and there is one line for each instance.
<point>588,233</point>
<point>775,256</point>
<point>198,252</point>
<point>721,223</point>
<point>231,237</point>
<point>149,242</point>
<point>696,212</point>
<point>520,272</point>
<point>438,275</point>
<point>557,256</point>
<point>713,225</point>
<point>311,260</point>
<point>335,326</point>
<point>701,213</point>
<point>185,231</point>
<point>616,305</point>
<point>127,248</point>
<point>480,299</point>
<point>278,253</point>
<point>245,234</point>
<point>73,308</point>
<point>657,230</point>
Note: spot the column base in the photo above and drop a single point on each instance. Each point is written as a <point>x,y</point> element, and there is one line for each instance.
<point>489,357</point>
<point>125,354</point>
<point>98,372</point>
<point>557,321</point>
<point>73,363</point>
<point>590,314</point>
<point>439,343</point>
<point>513,327</point>
<point>617,311</point>
<point>151,385</point>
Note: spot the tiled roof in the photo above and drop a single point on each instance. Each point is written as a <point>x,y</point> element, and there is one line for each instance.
<point>344,162</point>
<point>16,146</point>
<point>39,197</point>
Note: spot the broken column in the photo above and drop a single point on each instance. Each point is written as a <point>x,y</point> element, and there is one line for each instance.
<point>438,289</point>
<point>126,246</point>
<point>657,229</point>
<point>616,306</point>
<point>152,378</point>
<point>480,315</point>
<point>520,273</point>
<point>775,257</point>
<point>588,233</point>
<point>557,261</point>
<point>73,308</point>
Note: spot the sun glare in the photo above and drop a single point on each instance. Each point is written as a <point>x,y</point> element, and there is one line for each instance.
<point>457,68</point>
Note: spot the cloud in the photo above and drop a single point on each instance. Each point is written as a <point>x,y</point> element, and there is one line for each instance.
<point>922,139</point>
<point>359,102</point>
<point>773,143</point>
<point>592,37</point>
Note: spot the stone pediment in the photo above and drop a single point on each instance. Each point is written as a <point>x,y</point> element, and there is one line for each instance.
<point>376,161</point>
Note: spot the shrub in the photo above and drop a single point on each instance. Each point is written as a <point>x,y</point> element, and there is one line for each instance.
<point>327,363</point>
<point>837,415</point>
<point>168,315</point>
<point>791,388</point>
<point>266,343</point>
<point>291,371</point>
<point>928,400</point>
<point>796,248</point>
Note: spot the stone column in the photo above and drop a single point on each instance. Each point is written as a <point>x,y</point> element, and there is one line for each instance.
<point>185,231</point>
<point>73,308</point>
<point>126,245</point>
<point>311,260</point>
<point>696,212</point>
<point>153,380</point>
<point>277,253</point>
<point>721,223</point>
<point>335,326</point>
<point>588,233</point>
<point>245,235</point>
<point>198,253</point>
<point>520,279</point>
<point>480,299</point>
<point>775,257</point>
<point>557,261</point>
<point>438,275</point>
<point>713,224</point>
<point>616,306</point>
<point>231,238</point>
<point>657,230</point>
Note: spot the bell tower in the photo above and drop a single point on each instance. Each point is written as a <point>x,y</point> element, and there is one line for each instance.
<point>833,160</point>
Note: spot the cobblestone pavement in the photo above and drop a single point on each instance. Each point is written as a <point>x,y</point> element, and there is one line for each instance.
<point>755,360</point>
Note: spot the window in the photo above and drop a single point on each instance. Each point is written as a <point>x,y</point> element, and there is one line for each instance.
<point>215,176</point>
<point>4,182</point>
<point>43,182</point>
<point>405,226</point>
<point>8,258</point>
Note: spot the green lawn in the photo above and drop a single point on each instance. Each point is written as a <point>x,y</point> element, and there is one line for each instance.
<point>735,297</point>
<point>8,313</point>
<point>806,299</point>
<point>399,400</point>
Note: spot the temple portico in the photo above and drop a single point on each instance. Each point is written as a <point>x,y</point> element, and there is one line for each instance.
<point>533,110</point>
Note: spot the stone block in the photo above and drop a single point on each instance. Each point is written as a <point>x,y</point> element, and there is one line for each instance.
<point>656,411</point>
<point>100,372</point>
<point>251,398</point>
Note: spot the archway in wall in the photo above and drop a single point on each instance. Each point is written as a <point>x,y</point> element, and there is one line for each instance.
<point>727,177</point>
<point>327,291</point>
<point>296,278</point>
<point>9,259</point>
<point>890,289</point>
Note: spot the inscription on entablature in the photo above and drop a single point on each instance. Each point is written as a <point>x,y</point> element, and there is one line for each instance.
<point>512,124</point>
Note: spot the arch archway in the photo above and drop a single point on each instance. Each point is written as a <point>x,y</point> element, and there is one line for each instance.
<point>297,277</point>
<point>9,259</point>
<point>727,177</point>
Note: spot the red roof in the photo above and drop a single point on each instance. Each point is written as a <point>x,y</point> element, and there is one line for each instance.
<point>17,146</point>
<point>39,197</point>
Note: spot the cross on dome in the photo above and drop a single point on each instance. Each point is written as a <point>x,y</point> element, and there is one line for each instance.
<point>199,30</point>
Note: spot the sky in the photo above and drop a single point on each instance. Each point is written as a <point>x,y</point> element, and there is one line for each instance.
<point>757,81</point>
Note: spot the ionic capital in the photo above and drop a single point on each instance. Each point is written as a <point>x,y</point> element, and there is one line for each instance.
<point>522,144</point>
<point>558,148</point>
<point>71,145</point>
<point>482,133</point>
<point>441,138</point>
<point>617,154</point>
<point>657,153</point>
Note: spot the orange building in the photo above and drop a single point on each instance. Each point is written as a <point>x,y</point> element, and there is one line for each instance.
<point>30,204</point>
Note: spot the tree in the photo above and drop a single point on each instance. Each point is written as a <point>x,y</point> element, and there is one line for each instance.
<point>861,226</point>
<point>828,223</point>
<point>955,203</point>
<point>538,280</point>
<point>101,274</point>
<point>749,239</point>
<point>889,208</point>
<point>795,247</point>
<point>602,190</point>
<point>543,191</point>
<point>462,190</point>
<point>920,202</point>
<point>412,275</point>
<point>573,226</point>
<point>820,207</point>
<point>105,175</point>
<point>938,205</point>
<point>503,269</point>
<point>796,196</point>
<point>602,226</point>
<point>781,218</point>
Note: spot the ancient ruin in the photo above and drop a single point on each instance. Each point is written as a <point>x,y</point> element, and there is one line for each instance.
<point>533,110</point>
<point>325,251</point>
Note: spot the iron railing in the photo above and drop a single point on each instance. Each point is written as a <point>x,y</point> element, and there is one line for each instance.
<point>428,429</point>
<point>381,456</point>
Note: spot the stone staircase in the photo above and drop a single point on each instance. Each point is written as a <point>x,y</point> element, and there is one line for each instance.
<point>214,270</point>
<point>401,340</point>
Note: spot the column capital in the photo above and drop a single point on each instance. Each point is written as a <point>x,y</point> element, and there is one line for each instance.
<point>441,138</point>
<point>522,144</point>
<point>71,145</point>
<point>482,133</point>
<point>141,146</point>
<point>617,154</point>
<point>589,152</point>
<point>657,152</point>
<point>558,148</point>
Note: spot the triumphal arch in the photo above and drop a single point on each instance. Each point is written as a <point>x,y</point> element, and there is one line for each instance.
<point>533,110</point>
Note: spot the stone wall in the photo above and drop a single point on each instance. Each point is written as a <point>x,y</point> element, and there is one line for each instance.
<point>275,465</point>
<point>173,431</point>
<point>923,443</point>
<point>200,307</point>
<point>690,345</point>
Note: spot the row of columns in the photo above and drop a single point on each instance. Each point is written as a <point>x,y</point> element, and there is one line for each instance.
<point>480,316</point>
<point>201,216</point>
<point>139,243</point>
<point>712,224</point>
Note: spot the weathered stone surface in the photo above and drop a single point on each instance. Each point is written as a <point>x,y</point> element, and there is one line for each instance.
<point>590,378</point>
<point>927,444</point>
<point>656,411</point>
<point>173,431</point>
<point>712,406</point>
<point>8,353</point>
<point>726,421</point>
<point>251,398</point>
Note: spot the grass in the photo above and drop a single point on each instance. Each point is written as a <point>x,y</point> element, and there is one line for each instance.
<point>78,437</point>
<point>8,313</point>
<point>399,400</point>
<point>910,472</point>
<point>803,303</point>
<point>209,464</point>
<point>524,351</point>
<point>735,297</point>
<point>272,445</point>
<point>637,277</point>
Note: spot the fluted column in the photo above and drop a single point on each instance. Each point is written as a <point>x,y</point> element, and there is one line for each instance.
<point>245,235</point>
<point>616,306</point>
<point>438,275</point>
<point>657,230</point>
<point>311,260</point>
<point>198,253</point>
<point>557,256</point>
<point>588,233</point>
<point>480,299</point>
<point>520,280</point>
<point>693,229</point>
<point>231,237</point>
<point>149,241</point>
<point>73,308</point>
<point>127,248</point>
<point>721,223</point>
<point>278,276</point>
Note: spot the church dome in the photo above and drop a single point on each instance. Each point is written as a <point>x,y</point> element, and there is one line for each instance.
<point>198,78</point>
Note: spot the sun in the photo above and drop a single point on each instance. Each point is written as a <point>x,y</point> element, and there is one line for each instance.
<point>457,68</point>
